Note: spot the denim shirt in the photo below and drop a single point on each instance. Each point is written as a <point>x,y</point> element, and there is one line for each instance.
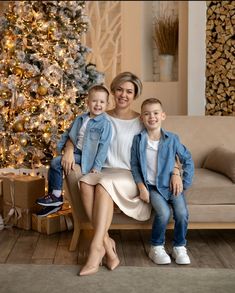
<point>169,147</point>
<point>96,140</point>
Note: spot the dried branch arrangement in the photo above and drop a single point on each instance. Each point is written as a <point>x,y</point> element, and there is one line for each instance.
<point>166,34</point>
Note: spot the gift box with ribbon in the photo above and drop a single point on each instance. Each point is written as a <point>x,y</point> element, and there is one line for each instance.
<point>22,190</point>
<point>18,217</point>
<point>19,195</point>
<point>53,223</point>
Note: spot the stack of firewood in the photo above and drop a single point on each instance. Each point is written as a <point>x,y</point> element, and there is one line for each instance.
<point>220,61</point>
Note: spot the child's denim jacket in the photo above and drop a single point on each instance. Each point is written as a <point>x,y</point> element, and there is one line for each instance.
<point>96,140</point>
<point>169,147</point>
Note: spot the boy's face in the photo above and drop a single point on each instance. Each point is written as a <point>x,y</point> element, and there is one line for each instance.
<point>152,116</point>
<point>97,102</point>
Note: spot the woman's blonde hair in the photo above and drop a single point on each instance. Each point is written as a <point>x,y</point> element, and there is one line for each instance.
<point>124,77</point>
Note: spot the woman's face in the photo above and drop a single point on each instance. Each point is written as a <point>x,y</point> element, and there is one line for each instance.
<point>124,95</point>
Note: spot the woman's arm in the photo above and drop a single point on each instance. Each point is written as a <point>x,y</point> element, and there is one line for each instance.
<point>67,161</point>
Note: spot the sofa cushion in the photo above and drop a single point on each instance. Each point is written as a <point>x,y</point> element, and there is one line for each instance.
<point>212,213</point>
<point>210,188</point>
<point>221,160</point>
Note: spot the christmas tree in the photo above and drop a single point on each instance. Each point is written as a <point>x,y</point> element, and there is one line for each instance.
<point>44,78</point>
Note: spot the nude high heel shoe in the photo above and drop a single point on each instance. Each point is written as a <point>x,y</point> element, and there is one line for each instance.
<point>92,265</point>
<point>112,261</point>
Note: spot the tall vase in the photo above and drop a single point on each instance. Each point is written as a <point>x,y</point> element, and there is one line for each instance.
<point>166,67</point>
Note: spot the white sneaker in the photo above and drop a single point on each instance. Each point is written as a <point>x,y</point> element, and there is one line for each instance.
<point>180,255</point>
<point>159,255</point>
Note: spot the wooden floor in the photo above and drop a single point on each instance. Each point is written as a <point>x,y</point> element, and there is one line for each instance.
<point>207,248</point>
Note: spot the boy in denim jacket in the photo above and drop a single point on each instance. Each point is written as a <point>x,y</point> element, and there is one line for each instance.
<point>153,156</point>
<point>90,134</point>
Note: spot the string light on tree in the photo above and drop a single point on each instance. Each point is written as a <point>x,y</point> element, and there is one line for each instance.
<point>44,78</point>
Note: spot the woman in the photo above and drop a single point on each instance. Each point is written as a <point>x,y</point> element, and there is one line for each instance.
<point>115,183</point>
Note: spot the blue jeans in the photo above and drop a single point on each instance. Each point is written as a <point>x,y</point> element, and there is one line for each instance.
<point>55,173</point>
<point>162,216</point>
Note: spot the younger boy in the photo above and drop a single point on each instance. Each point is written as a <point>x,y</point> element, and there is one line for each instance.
<point>153,156</point>
<point>90,134</point>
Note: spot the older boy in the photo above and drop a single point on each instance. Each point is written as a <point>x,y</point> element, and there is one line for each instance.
<point>90,134</point>
<point>153,156</point>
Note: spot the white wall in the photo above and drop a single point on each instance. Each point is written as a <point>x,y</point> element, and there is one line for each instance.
<point>196,57</point>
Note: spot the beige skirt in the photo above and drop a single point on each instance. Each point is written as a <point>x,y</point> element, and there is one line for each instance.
<point>120,185</point>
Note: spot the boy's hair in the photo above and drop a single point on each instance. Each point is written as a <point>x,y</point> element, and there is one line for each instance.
<point>98,88</point>
<point>151,101</point>
<point>124,77</point>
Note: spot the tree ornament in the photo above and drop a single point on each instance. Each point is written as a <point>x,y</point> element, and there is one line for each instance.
<point>18,126</point>
<point>42,90</point>
<point>10,44</point>
<point>5,94</point>
<point>23,141</point>
<point>18,71</point>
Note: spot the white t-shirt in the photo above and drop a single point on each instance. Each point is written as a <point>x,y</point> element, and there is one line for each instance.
<point>123,132</point>
<point>151,155</point>
<point>81,133</point>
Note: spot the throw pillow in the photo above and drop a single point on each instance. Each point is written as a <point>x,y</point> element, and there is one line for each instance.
<point>221,160</point>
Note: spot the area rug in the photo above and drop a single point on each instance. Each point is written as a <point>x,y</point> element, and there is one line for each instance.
<point>63,279</point>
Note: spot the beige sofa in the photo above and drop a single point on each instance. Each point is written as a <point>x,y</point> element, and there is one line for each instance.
<point>211,199</point>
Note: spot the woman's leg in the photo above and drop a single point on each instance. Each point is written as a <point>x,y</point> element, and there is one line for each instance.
<point>102,213</point>
<point>87,193</point>
<point>101,218</point>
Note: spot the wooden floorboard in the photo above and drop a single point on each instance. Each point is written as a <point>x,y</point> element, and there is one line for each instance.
<point>200,253</point>
<point>223,250</point>
<point>46,248</point>
<point>133,249</point>
<point>8,239</point>
<point>24,248</point>
<point>206,248</point>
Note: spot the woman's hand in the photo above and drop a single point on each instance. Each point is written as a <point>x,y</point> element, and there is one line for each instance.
<point>67,161</point>
<point>143,192</point>
<point>176,184</point>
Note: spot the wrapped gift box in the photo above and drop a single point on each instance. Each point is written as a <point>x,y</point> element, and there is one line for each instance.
<point>22,190</point>
<point>18,217</point>
<point>56,222</point>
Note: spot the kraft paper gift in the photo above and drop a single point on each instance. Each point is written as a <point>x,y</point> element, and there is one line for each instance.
<point>22,190</point>
<point>18,217</point>
<point>56,222</point>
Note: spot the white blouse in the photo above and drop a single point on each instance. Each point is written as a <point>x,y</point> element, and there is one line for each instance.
<point>123,132</point>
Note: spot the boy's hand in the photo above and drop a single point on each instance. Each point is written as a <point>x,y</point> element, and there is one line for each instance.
<point>176,184</point>
<point>67,160</point>
<point>143,192</point>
